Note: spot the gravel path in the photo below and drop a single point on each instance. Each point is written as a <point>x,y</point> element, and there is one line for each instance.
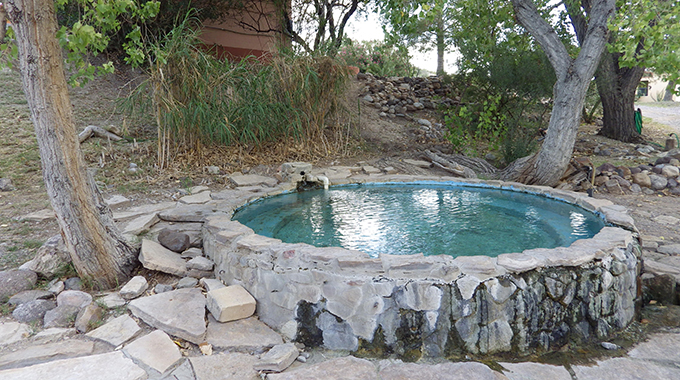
<point>663,113</point>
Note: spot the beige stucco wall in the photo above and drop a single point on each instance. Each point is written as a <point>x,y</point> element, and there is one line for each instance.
<point>656,89</point>
<point>231,37</point>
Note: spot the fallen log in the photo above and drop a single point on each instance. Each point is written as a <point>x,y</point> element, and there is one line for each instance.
<point>93,130</point>
<point>449,165</point>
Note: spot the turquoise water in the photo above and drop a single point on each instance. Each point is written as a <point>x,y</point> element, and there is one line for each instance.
<point>432,219</point>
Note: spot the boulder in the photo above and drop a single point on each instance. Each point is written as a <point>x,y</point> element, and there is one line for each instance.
<point>658,182</point>
<point>642,179</point>
<point>173,240</point>
<point>61,316</point>
<point>14,281</point>
<point>32,310</point>
<point>29,295</point>
<point>51,257</point>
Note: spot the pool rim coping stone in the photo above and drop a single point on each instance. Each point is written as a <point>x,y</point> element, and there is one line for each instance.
<point>613,215</point>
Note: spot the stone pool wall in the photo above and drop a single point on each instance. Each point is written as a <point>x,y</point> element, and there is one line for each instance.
<point>415,306</point>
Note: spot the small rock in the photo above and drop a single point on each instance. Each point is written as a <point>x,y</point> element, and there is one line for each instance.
<point>278,358</point>
<point>610,346</point>
<point>15,281</point>
<point>191,253</point>
<point>73,283</point>
<point>213,170</point>
<point>658,182</point>
<point>111,301</point>
<point>206,348</point>
<point>6,184</point>
<point>211,284</point>
<point>32,310</point>
<point>61,316</point>
<point>230,303</point>
<point>368,98</point>
<point>74,298</point>
<point>187,282</point>
<point>642,179</point>
<point>87,317</point>
<point>51,257</point>
<point>162,288</point>
<point>200,263</point>
<point>173,240</point>
<point>425,122</point>
<point>134,288</point>
<point>29,295</point>
<point>670,171</point>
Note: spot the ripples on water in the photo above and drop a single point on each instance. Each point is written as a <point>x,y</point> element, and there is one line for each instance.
<point>428,219</point>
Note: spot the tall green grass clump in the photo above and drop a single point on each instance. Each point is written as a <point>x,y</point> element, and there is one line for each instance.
<point>198,99</point>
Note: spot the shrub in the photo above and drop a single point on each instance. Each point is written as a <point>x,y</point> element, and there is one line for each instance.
<point>377,58</point>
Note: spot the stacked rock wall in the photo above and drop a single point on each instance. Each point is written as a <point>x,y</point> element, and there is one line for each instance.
<point>400,96</point>
<point>416,305</point>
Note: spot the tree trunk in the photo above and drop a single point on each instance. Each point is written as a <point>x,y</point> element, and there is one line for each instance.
<point>3,23</point>
<point>668,95</point>
<point>617,87</point>
<point>573,78</point>
<point>98,250</point>
<point>441,45</point>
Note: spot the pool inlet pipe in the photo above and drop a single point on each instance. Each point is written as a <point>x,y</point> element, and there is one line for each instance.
<point>323,180</point>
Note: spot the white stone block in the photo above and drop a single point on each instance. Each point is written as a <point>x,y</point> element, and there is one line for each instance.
<point>230,303</point>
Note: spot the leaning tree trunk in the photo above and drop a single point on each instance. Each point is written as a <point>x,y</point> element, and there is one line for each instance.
<point>573,77</point>
<point>617,87</point>
<point>98,250</point>
<point>3,23</point>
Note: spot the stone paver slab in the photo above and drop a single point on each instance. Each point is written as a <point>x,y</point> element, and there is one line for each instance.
<point>156,257</point>
<point>245,335</point>
<point>155,350</point>
<point>534,371</point>
<point>11,332</point>
<point>141,224</point>
<point>626,369</point>
<point>117,331</point>
<point>111,366</point>
<point>231,366</point>
<point>252,180</point>
<point>199,198</point>
<point>45,352</point>
<point>180,313</point>
<point>341,368</point>
<point>278,358</point>
<point>191,213</point>
<point>445,371</point>
<point>661,347</point>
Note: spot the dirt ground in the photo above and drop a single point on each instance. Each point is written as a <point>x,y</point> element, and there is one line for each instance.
<point>383,142</point>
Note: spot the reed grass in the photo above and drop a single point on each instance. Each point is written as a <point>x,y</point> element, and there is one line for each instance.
<point>198,99</point>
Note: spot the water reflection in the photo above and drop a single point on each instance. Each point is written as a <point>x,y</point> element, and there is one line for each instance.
<point>412,218</point>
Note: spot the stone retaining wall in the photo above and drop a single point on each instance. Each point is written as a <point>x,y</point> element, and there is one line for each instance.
<point>416,305</point>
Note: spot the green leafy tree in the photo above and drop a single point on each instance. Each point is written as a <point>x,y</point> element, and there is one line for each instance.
<point>645,36</point>
<point>428,24</point>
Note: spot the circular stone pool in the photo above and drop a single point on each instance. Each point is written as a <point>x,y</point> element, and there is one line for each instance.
<point>429,218</point>
<point>416,306</point>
